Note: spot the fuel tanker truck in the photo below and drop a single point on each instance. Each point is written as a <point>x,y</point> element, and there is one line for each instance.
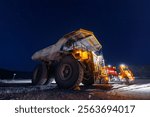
<point>72,60</point>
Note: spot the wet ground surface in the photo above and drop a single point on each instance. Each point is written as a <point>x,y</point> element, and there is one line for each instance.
<point>17,90</point>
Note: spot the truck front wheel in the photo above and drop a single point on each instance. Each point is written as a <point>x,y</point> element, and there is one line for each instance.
<point>68,73</point>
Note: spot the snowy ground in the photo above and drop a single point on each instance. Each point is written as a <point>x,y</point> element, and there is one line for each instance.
<point>22,89</point>
<point>15,81</point>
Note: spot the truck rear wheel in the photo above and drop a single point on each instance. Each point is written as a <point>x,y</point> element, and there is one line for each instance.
<point>40,74</point>
<point>50,78</point>
<point>69,73</point>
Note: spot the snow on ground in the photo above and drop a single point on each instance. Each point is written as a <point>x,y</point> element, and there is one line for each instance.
<point>16,81</point>
<point>140,90</point>
<point>17,90</point>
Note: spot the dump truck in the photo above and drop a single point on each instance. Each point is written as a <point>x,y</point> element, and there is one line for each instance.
<point>72,60</point>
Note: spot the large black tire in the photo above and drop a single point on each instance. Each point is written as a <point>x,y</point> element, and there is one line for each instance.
<point>40,74</point>
<point>50,78</point>
<point>88,81</point>
<point>49,81</point>
<point>69,73</point>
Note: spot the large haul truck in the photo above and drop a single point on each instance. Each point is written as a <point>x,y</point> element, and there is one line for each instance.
<point>74,59</point>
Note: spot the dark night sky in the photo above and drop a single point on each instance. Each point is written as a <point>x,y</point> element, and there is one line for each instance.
<point>122,26</point>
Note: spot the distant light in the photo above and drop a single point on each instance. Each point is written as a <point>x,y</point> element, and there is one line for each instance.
<point>109,65</point>
<point>122,65</point>
<point>14,76</point>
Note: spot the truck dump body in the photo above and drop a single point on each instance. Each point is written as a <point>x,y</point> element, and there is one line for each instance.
<point>52,52</point>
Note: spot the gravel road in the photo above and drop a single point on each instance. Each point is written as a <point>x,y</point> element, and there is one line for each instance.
<point>18,90</point>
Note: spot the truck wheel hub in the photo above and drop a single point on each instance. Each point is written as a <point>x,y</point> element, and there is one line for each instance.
<point>66,72</point>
